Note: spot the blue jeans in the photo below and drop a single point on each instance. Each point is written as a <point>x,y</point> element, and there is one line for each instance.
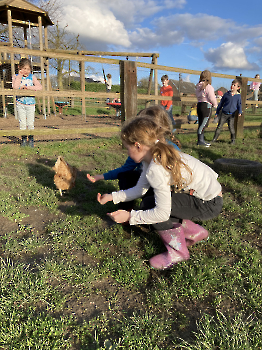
<point>169,112</point>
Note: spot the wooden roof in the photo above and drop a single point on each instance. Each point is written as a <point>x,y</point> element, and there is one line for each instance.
<point>221,89</point>
<point>22,10</point>
<point>183,86</point>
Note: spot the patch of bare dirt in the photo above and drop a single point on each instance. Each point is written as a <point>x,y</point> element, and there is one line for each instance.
<point>59,123</point>
<point>36,219</point>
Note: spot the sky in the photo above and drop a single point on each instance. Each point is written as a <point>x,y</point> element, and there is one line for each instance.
<point>224,36</point>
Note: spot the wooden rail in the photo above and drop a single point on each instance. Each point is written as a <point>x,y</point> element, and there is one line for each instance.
<point>84,56</point>
<point>44,131</point>
<point>48,53</point>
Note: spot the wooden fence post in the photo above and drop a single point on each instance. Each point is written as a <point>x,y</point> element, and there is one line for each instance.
<point>239,121</point>
<point>128,89</point>
<point>83,86</point>
<point>41,47</point>
<point>12,59</point>
<point>156,80</point>
<point>154,59</point>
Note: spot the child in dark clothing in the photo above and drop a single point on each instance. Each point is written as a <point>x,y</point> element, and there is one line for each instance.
<point>129,173</point>
<point>229,104</point>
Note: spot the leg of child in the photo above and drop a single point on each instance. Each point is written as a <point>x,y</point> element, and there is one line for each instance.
<point>231,127</point>
<point>21,111</point>
<point>185,208</point>
<point>170,113</point>
<point>30,112</point>
<point>173,238</point>
<point>223,118</point>
<point>204,114</point>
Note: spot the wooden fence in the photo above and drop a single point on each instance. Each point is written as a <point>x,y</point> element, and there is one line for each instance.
<point>128,80</point>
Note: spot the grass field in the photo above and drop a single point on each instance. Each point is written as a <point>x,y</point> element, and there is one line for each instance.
<point>72,279</point>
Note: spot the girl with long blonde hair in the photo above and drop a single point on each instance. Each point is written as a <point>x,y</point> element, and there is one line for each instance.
<point>184,188</point>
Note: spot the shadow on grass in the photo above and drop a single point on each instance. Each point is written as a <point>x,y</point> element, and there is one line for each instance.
<point>12,139</point>
<point>81,200</point>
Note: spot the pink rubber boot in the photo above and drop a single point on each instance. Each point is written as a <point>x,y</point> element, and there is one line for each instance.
<point>193,232</point>
<point>175,244</point>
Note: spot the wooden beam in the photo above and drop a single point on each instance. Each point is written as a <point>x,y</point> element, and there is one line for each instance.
<point>41,47</point>
<point>83,87</point>
<point>48,82</point>
<point>156,80</point>
<point>239,121</point>
<point>10,34</point>
<point>45,131</point>
<point>66,56</point>
<point>128,89</point>
<point>24,23</point>
<point>107,53</point>
<point>59,94</point>
<point>150,82</point>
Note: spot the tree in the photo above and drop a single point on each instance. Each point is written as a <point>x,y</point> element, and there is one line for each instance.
<point>143,84</point>
<point>60,38</point>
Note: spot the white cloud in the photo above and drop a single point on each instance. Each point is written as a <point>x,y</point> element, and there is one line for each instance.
<point>146,38</point>
<point>107,22</point>
<point>133,12</point>
<point>137,25</point>
<point>94,22</point>
<point>229,56</point>
<point>195,27</point>
<point>174,29</point>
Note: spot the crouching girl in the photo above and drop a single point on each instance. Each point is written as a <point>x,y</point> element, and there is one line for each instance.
<point>185,190</point>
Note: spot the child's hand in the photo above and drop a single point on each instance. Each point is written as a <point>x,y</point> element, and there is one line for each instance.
<point>103,199</point>
<point>120,216</point>
<point>95,178</point>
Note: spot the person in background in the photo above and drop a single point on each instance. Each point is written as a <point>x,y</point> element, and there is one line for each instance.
<point>108,84</point>
<point>184,189</point>
<point>166,90</point>
<point>254,86</point>
<point>25,105</point>
<point>118,108</point>
<point>229,104</point>
<point>206,99</point>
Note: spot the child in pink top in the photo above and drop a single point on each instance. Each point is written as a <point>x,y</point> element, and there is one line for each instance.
<point>206,99</point>
<point>255,85</point>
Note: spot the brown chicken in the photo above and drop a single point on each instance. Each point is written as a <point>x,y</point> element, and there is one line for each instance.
<point>65,175</point>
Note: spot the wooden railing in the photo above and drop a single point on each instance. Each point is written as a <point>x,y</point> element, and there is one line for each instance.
<point>130,88</point>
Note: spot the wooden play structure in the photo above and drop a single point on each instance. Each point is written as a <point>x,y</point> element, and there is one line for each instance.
<point>20,13</point>
<point>24,15</point>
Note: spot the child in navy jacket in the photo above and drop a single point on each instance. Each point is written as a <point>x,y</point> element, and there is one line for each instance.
<point>229,104</point>
<point>129,173</point>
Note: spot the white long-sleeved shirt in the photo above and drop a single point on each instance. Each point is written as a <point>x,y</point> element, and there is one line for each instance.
<point>203,182</point>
